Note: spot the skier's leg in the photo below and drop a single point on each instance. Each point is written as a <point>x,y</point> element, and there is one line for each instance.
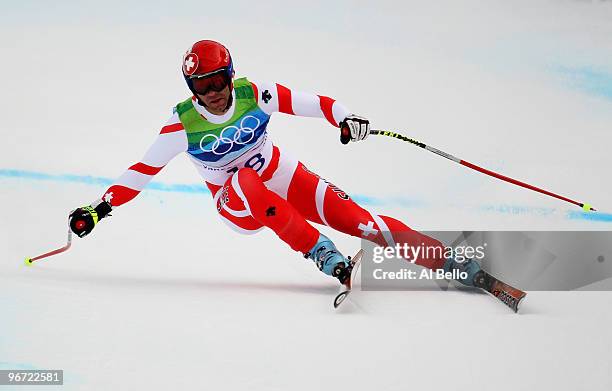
<point>435,257</point>
<point>246,202</point>
<point>245,194</point>
<point>322,202</point>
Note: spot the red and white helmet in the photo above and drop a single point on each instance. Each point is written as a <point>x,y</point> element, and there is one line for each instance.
<point>207,63</point>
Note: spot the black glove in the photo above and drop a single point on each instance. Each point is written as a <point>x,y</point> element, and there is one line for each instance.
<point>84,219</point>
<point>354,128</point>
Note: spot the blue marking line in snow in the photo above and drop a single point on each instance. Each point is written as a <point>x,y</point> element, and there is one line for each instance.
<point>362,199</point>
<point>570,214</point>
<point>517,210</point>
<point>100,181</point>
<point>587,79</point>
<point>592,216</point>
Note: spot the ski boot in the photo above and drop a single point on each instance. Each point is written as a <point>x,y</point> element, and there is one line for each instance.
<point>475,275</point>
<point>329,260</point>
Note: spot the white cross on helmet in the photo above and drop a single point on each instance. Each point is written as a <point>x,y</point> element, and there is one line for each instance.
<point>190,63</point>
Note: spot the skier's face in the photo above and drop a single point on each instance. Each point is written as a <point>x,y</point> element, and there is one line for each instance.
<point>216,101</point>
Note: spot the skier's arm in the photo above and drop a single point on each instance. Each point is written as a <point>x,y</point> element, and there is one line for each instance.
<point>171,141</point>
<point>274,97</point>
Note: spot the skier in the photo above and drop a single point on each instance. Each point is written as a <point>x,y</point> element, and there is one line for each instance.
<point>222,128</point>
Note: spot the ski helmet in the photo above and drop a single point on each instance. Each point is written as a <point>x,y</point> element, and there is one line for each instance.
<point>207,65</point>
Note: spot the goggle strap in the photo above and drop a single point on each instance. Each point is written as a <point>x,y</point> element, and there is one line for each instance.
<point>205,75</point>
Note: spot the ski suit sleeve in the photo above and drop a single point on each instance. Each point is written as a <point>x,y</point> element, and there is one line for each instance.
<point>274,97</point>
<point>170,141</point>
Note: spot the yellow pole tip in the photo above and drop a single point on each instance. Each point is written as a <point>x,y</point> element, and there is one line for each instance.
<point>586,207</point>
<point>28,262</point>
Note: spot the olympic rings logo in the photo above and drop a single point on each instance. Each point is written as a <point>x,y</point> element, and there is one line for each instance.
<point>223,143</point>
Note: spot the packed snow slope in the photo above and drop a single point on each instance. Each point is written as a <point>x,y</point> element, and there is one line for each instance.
<point>162,295</point>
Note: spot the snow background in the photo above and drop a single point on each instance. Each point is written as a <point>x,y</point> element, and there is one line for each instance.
<point>164,296</point>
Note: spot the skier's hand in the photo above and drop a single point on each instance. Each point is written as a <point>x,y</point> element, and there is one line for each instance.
<point>84,219</point>
<point>354,128</point>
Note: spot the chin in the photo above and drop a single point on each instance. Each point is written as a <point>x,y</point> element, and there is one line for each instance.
<point>217,105</point>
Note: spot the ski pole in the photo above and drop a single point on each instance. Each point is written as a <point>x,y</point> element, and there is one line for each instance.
<point>29,261</point>
<point>345,138</point>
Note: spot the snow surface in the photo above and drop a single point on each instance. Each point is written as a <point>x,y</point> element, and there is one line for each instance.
<point>164,296</point>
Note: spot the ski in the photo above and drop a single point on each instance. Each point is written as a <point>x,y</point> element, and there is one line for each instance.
<point>507,294</point>
<point>346,288</point>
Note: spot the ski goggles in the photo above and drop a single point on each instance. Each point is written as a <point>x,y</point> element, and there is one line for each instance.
<point>215,82</point>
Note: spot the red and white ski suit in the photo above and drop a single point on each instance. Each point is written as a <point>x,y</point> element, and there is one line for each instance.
<point>283,194</point>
